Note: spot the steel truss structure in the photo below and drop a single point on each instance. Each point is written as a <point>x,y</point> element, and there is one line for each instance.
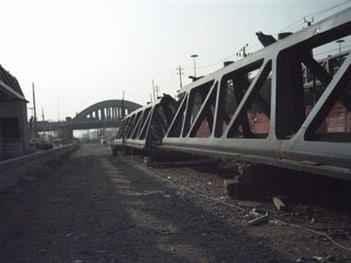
<point>146,126</point>
<point>279,106</point>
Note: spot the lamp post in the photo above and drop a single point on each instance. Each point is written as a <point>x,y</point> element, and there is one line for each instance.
<point>194,56</point>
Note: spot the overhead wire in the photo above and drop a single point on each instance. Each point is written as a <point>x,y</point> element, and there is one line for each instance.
<point>314,14</point>
<point>170,76</point>
<point>251,48</point>
<point>330,8</point>
<point>296,25</point>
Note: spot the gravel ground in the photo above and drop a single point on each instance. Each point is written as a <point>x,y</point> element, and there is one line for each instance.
<point>91,207</point>
<point>313,202</point>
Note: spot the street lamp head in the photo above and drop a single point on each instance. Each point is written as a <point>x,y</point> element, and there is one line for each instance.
<point>194,56</point>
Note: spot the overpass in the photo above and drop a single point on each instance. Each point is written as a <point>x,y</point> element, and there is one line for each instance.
<point>104,114</point>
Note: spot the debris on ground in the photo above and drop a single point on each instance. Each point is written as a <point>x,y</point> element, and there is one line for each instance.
<point>278,203</point>
<point>275,222</point>
<point>259,220</point>
<point>250,204</point>
<point>69,235</point>
<point>314,259</point>
<point>148,193</point>
<point>330,258</point>
<point>254,213</point>
<point>318,259</point>
<point>147,160</point>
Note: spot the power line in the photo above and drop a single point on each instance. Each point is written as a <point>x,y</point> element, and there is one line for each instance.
<point>214,63</point>
<point>170,77</point>
<point>297,24</point>
<point>330,8</point>
<point>315,14</point>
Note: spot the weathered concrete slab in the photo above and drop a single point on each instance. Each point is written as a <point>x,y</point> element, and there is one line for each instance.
<point>12,170</point>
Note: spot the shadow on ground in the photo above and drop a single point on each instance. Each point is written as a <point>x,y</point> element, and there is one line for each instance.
<point>93,208</point>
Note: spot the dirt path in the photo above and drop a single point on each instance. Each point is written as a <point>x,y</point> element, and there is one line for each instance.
<point>93,208</point>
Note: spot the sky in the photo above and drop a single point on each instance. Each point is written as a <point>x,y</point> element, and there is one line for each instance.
<point>82,52</point>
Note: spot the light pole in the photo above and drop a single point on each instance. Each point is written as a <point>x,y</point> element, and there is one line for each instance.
<point>194,56</point>
<point>340,41</point>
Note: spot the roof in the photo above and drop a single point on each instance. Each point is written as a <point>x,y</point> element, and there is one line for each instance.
<point>9,86</point>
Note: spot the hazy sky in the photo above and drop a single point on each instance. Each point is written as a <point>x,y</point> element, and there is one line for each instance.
<point>83,52</point>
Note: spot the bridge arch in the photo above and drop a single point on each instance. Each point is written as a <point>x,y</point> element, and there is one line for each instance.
<point>107,110</point>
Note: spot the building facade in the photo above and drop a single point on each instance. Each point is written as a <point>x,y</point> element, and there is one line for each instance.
<point>13,118</point>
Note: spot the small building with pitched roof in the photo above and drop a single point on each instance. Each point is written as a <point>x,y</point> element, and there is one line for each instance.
<point>13,117</point>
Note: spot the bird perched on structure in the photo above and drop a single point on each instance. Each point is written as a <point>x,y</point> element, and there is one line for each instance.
<point>265,40</point>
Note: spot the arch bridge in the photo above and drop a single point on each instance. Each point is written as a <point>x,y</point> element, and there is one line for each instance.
<point>106,110</point>
<point>104,114</point>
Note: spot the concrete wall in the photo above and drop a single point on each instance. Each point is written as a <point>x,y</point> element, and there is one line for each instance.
<point>11,171</point>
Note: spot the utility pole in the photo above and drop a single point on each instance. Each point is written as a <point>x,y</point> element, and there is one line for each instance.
<point>123,111</point>
<point>180,72</point>
<point>43,119</point>
<point>42,113</point>
<point>35,112</point>
<point>153,89</point>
